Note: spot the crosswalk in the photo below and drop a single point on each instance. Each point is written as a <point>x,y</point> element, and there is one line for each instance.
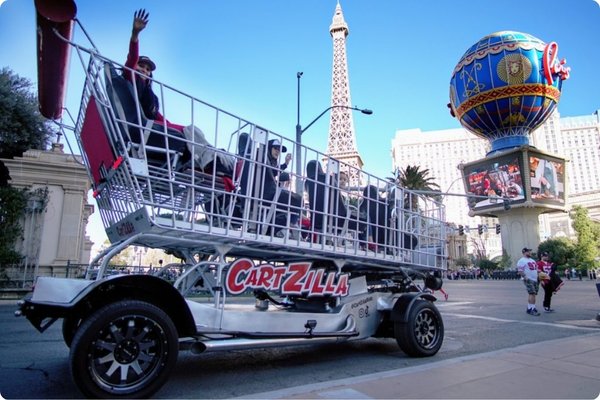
<point>449,310</point>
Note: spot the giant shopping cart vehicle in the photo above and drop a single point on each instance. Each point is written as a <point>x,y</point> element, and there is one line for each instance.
<point>329,264</point>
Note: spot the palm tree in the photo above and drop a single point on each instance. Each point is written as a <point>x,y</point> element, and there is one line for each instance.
<point>413,178</point>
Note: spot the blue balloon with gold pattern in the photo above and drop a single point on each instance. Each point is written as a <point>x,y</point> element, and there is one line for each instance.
<point>505,86</point>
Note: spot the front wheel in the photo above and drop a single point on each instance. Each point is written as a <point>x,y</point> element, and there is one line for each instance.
<point>125,349</point>
<point>69,328</point>
<point>423,334</point>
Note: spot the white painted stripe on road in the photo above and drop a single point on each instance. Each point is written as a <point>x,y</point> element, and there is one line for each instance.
<point>452,304</point>
<point>553,324</point>
<point>347,393</point>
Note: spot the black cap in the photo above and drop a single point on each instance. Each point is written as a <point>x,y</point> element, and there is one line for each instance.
<point>277,143</point>
<point>525,249</point>
<point>146,60</point>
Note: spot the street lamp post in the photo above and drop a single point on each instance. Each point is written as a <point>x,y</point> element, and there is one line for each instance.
<point>506,201</point>
<point>452,184</point>
<point>300,131</point>
<point>298,140</point>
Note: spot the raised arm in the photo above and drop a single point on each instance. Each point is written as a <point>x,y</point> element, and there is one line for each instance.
<point>288,159</point>
<point>140,20</point>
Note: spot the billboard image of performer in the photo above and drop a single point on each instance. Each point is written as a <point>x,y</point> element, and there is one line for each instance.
<point>496,179</point>
<point>547,179</point>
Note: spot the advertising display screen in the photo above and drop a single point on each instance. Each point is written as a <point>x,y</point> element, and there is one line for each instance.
<point>496,179</point>
<point>547,175</point>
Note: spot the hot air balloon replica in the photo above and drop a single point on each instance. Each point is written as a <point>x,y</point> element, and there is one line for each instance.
<point>503,88</point>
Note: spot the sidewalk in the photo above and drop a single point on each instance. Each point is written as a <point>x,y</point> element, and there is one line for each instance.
<point>571,370</point>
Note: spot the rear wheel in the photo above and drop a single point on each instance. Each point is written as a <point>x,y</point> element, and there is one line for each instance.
<point>423,334</point>
<point>125,349</point>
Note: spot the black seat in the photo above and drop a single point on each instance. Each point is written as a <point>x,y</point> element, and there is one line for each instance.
<point>326,202</point>
<point>379,215</point>
<point>287,203</point>
<point>228,202</point>
<point>258,186</point>
<point>124,101</point>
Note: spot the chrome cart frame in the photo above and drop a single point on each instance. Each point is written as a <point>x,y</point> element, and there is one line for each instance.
<point>261,265</point>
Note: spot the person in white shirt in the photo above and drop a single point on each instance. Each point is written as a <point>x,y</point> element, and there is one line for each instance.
<point>528,270</point>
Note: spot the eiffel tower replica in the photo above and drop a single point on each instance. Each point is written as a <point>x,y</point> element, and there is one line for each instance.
<point>342,142</point>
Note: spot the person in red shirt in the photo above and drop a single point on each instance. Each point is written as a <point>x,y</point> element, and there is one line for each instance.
<point>143,79</point>
<point>549,279</point>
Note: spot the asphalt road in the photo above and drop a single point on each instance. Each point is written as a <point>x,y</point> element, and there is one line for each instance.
<point>479,316</point>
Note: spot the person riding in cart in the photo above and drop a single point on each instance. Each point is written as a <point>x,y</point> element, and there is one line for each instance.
<point>145,67</point>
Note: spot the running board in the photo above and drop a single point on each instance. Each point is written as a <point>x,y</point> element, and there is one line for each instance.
<point>281,335</point>
<point>248,340</point>
<point>243,343</point>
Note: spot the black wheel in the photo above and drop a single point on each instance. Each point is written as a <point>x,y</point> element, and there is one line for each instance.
<point>69,327</point>
<point>423,334</point>
<point>125,349</point>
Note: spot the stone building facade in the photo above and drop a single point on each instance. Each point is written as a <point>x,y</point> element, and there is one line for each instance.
<point>53,235</point>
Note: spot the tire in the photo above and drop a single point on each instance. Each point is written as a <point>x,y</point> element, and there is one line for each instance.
<point>423,334</point>
<point>69,328</point>
<point>125,349</point>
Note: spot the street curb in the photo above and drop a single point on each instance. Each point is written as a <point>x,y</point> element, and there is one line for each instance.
<point>339,383</point>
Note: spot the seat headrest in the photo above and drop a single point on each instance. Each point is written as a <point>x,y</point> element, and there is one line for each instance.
<point>122,95</point>
<point>244,145</point>
<point>314,169</point>
<point>371,192</point>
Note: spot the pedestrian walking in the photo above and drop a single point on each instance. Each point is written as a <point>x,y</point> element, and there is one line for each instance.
<point>527,268</point>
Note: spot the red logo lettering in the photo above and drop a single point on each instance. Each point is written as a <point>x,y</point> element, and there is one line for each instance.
<point>551,64</point>
<point>317,289</point>
<point>236,276</point>
<point>296,278</point>
<point>126,228</point>
<point>342,286</point>
<point>294,283</point>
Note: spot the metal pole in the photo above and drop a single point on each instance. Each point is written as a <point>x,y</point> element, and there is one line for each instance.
<point>300,130</point>
<point>140,260</point>
<point>299,181</point>
<point>506,201</point>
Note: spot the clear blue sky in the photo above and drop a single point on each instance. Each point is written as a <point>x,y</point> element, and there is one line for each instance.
<point>243,55</point>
